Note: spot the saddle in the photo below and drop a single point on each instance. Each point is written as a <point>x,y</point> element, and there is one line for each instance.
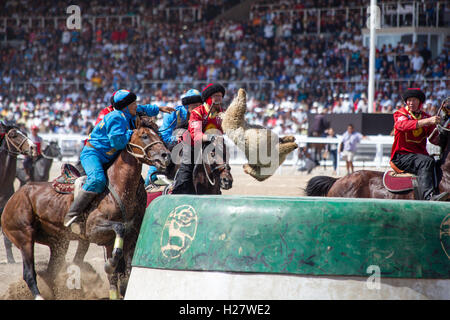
<point>397,181</point>
<point>65,183</point>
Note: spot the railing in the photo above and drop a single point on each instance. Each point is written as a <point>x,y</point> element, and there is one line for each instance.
<point>393,14</point>
<point>380,82</point>
<point>375,148</point>
<point>150,85</point>
<point>145,85</point>
<point>49,21</point>
<point>174,14</point>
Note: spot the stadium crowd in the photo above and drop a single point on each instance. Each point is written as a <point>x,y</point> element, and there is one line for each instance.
<point>59,79</point>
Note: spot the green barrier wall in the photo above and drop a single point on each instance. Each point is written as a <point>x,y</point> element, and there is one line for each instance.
<point>309,236</point>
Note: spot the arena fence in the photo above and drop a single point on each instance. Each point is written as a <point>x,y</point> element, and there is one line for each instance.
<point>254,247</point>
<point>372,152</point>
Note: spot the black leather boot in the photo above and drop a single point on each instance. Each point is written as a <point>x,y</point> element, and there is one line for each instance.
<point>426,186</point>
<point>76,209</point>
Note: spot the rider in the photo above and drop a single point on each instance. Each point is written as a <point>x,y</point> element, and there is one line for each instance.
<point>190,100</point>
<point>100,117</point>
<point>110,108</point>
<point>412,127</point>
<point>28,162</point>
<point>202,119</point>
<point>109,136</point>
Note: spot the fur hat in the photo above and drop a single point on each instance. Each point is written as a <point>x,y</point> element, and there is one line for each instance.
<point>192,96</point>
<point>212,88</point>
<point>122,98</point>
<point>414,93</point>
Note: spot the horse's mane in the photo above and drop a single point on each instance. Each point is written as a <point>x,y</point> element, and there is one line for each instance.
<point>148,122</point>
<point>8,125</point>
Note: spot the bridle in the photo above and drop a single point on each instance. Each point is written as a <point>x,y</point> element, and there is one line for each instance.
<point>222,166</point>
<point>142,156</point>
<point>10,142</point>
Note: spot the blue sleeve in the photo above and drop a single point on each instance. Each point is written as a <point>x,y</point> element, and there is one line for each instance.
<point>151,170</point>
<point>149,109</point>
<point>169,123</point>
<point>117,132</point>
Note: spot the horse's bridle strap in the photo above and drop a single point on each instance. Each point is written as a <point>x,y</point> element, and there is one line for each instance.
<point>9,142</point>
<point>143,149</point>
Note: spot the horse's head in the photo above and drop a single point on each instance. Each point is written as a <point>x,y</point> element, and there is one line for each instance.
<point>146,145</point>
<point>16,141</point>
<point>215,156</point>
<point>52,151</point>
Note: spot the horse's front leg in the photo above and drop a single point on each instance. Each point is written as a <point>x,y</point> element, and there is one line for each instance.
<point>58,252</point>
<point>114,252</point>
<point>113,276</point>
<point>82,249</point>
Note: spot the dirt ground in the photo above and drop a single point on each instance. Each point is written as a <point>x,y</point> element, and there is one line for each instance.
<point>286,182</point>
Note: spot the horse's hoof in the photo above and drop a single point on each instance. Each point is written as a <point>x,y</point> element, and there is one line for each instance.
<point>39,297</point>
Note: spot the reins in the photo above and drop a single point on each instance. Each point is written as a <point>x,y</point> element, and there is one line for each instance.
<point>222,166</point>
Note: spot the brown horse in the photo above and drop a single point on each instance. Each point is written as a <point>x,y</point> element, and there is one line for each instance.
<point>369,184</point>
<point>12,143</point>
<point>214,172</point>
<point>35,213</point>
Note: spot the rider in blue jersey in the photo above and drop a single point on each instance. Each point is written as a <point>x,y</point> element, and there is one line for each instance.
<point>106,140</point>
<point>190,100</point>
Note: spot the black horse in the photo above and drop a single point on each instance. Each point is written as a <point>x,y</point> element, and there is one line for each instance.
<point>214,172</point>
<point>42,165</point>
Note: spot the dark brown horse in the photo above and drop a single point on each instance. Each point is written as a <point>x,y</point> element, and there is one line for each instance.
<point>35,213</point>
<point>369,184</point>
<point>12,143</point>
<point>214,172</point>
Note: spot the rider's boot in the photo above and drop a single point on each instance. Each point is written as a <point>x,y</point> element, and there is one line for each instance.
<point>80,203</point>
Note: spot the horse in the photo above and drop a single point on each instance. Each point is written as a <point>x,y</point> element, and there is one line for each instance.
<point>209,176</point>
<point>35,213</point>
<point>369,184</point>
<point>12,143</point>
<point>42,165</point>
<point>214,172</point>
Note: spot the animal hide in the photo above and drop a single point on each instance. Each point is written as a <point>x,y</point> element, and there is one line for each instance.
<point>264,149</point>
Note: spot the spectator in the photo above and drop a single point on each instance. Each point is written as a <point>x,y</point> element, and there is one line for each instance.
<point>331,149</point>
<point>349,143</point>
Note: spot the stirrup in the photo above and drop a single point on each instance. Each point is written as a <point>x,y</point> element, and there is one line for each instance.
<point>70,221</point>
<point>74,225</point>
<point>440,197</point>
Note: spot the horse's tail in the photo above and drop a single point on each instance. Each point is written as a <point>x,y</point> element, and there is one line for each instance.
<point>319,186</point>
